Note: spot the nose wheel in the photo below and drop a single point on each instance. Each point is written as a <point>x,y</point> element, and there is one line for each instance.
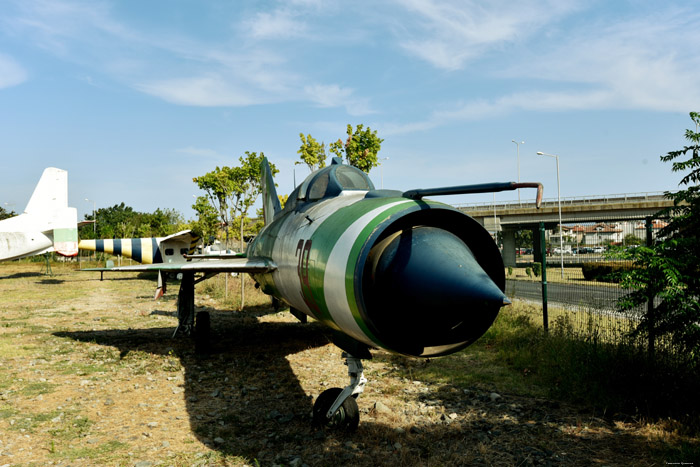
<point>346,418</point>
<point>336,408</point>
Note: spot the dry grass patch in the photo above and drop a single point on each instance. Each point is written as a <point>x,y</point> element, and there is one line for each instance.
<point>97,379</point>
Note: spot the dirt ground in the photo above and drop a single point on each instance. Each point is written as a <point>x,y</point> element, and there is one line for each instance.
<point>90,374</point>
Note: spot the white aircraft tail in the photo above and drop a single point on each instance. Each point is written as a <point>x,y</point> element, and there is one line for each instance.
<point>50,194</point>
<point>48,208</point>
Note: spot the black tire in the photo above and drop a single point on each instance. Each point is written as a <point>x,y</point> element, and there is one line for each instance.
<point>347,418</point>
<point>202,333</point>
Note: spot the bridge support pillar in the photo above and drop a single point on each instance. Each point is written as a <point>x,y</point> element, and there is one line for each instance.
<point>508,236</point>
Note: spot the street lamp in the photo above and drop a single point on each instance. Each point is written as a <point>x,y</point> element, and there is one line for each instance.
<point>94,220</point>
<point>561,236</point>
<point>381,171</point>
<point>517,145</point>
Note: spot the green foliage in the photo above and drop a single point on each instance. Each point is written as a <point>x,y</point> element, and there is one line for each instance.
<point>233,190</point>
<point>537,269</point>
<point>311,152</point>
<point>510,270</point>
<point>523,239</point>
<point>610,378</point>
<point>360,148</point>
<point>606,271</point>
<point>207,224</point>
<point>5,214</point>
<point>631,240</point>
<point>121,221</point>
<point>669,269</point>
<point>528,271</point>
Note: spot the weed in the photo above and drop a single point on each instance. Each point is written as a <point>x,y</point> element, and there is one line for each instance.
<point>35,389</point>
<point>100,452</point>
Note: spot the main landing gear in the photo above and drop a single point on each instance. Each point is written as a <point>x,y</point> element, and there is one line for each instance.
<point>337,408</point>
<point>198,326</point>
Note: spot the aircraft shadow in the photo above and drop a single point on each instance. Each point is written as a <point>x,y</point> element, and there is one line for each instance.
<point>21,275</point>
<point>244,399</point>
<point>242,396</point>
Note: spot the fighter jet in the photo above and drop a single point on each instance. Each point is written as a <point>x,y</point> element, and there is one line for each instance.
<point>383,269</point>
<point>47,223</point>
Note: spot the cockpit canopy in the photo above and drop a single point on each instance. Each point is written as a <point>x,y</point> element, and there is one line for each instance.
<point>329,182</point>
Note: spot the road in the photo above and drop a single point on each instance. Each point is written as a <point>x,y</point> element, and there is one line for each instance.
<point>567,294</point>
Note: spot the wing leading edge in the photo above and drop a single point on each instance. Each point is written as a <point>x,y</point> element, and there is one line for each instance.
<point>246,265</point>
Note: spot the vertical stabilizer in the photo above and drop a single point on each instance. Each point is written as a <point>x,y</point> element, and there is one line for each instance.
<point>50,194</point>
<point>271,203</point>
<point>48,207</point>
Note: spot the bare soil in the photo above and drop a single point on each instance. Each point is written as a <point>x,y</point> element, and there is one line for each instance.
<point>90,374</point>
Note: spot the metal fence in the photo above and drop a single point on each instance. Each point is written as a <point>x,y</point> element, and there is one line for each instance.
<point>581,291</point>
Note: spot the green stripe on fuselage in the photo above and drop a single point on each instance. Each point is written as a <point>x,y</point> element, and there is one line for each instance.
<point>354,256</point>
<point>325,239</point>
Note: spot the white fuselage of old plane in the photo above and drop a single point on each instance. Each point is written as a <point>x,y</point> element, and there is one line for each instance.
<point>47,223</point>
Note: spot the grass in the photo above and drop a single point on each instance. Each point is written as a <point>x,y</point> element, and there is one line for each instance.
<point>577,366</point>
<point>85,378</point>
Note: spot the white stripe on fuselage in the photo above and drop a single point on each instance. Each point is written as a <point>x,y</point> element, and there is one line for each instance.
<point>334,279</point>
<point>285,277</point>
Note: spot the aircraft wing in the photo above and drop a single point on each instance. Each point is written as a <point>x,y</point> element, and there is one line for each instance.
<point>247,265</point>
<point>184,235</point>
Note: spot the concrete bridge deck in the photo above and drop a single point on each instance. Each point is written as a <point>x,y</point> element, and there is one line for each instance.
<point>512,216</point>
<point>579,209</point>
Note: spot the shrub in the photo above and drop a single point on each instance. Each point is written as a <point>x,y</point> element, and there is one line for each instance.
<point>537,269</point>
<point>605,271</point>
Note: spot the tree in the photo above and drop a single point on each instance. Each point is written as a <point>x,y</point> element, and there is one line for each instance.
<point>311,152</point>
<point>631,240</point>
<point>5,214</point>
<point>233,190</point>
<point>669,269</point>
<point>360,148</point>
<point>219,186</point>
<point>207,224</point>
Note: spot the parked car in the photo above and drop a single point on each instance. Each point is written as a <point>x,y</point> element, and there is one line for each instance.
<point>565,251</point>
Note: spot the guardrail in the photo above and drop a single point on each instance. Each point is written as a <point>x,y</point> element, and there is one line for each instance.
<point>576,200</point>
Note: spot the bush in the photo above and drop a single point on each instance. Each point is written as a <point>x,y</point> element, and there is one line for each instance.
<point>537,269</point>
<point>605,271</point>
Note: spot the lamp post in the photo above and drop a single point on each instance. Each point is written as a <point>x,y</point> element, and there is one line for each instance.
<point>381,171</point>
<point>517,145</point>
<point>561,236</point>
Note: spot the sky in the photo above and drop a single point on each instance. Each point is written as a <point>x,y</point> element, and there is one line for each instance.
<point>136,98</point>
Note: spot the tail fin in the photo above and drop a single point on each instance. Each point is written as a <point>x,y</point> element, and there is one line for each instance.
<point>49,206</point>
<point>271,203</point>
<point>50,194</point>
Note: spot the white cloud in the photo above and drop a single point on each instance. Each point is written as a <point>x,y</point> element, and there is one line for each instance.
<point>641,63</point>
<point>233,70</point>
<point>11,72</point>
<point>448,34</point>
<point>205,91</point>
<point>280,24</point>
<point>334,95</point>
<point>200,152</point>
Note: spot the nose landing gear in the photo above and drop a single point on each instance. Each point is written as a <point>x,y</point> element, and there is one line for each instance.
<point>337,408</point>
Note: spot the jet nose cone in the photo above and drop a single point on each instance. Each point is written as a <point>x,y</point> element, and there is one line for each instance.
<point>426,286</point>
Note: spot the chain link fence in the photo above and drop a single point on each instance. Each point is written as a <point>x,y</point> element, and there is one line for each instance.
<point>582,274</point>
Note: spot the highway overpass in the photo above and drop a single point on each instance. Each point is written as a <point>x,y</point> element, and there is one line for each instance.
<point>512,216</point>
